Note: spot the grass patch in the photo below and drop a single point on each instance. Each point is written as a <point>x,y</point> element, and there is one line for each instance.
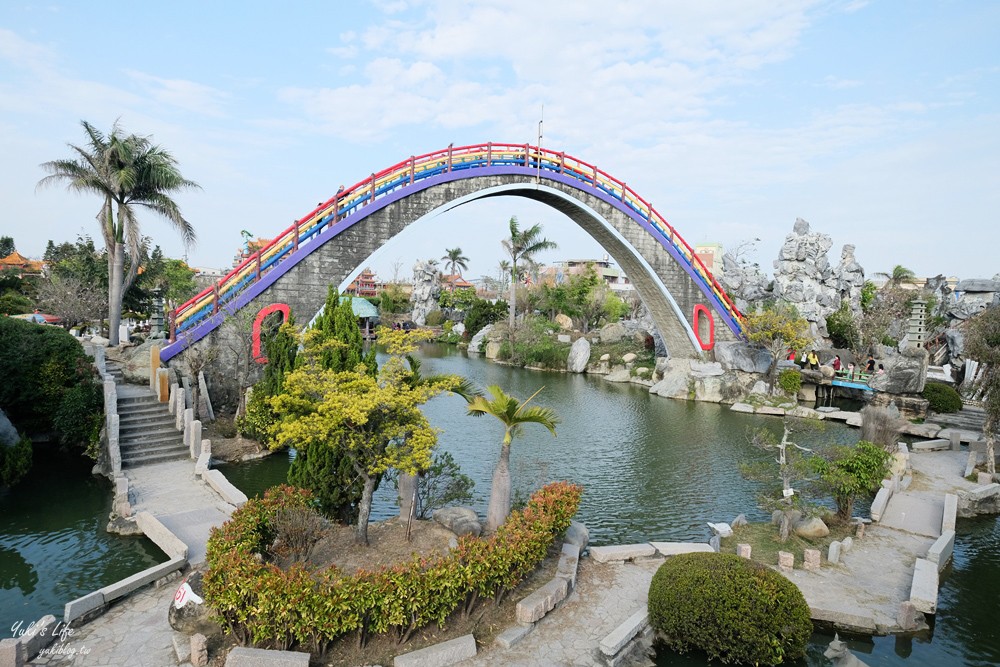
<point>764,544</point>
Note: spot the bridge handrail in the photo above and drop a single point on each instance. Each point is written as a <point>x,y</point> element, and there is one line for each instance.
<point>379,184</point>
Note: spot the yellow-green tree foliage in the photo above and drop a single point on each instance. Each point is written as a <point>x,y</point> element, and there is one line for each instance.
<point>376,423</point>
<point>777,328</point>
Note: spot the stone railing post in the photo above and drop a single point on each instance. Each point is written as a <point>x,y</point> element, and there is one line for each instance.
<point>162,384</point>
<point>195,439</point>
<point>114,452</point>
<point>154,365</point>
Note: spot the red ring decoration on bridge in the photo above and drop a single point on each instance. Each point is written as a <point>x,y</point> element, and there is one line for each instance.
<point>698,310</point>
<point>258,354</point>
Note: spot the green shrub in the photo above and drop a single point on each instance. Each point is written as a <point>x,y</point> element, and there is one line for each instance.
<point>482,312</point>
<point>260,603</point>
<point>842,328</point>
<point>435,318</point>
<point>790,381</point>
<point>49,383</point>
<point>257,420</point>
<point>942,397</point>
<point>733,609</point>
<point>15,462</point>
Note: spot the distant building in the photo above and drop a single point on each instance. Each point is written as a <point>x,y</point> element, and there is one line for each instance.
<point>614,277</point>
<point>248,249</point>
<point>710,254</point>
<point>22,265</point>
<point>365,284</point>
<point>454,282</point>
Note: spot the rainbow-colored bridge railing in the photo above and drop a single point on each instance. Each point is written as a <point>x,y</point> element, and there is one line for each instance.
<point>348,201</point>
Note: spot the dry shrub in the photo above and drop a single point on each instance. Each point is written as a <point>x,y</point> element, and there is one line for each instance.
<point>880,426</point>
<point>297,531</point>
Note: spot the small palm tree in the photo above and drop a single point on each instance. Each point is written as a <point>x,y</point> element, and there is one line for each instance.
<point>521,246</point>
<point>504,271</point>
<point>513,415</point>
<point>900,274</point>
<point>455,261</point>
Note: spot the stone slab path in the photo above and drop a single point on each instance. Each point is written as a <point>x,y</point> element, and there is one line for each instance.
<point>605,596</point>
<point>135,632</point>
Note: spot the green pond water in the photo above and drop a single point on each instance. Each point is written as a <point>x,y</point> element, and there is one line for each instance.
<point>652,468</point>
<point>53,546</point>
<point>659,469</point>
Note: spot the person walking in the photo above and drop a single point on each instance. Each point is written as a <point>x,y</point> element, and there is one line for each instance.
<point>812,359</point>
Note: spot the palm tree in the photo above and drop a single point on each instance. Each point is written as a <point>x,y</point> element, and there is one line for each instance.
<point>522,245</point>
<point>900,274</point>
<point>455,261</point>
<point>504,271</point>
<point>513,415</point>
<point>126,171</point>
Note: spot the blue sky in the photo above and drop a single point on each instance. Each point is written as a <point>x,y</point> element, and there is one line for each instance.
<point>878,122</point>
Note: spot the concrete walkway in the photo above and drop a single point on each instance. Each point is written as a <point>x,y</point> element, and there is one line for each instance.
<point>865,589</point>
<point>605,596</point>
<point>135,631</point>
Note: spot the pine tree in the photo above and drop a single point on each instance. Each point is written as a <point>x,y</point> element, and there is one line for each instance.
<point>327,472</point>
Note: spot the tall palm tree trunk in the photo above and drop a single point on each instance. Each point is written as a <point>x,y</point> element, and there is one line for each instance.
<point>499,506</point>
<point>115,282</point>
<point>513,301</point>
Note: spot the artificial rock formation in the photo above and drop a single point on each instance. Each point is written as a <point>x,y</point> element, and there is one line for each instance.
<point>426,290</point>
<point>744,282</point>
<point>848,279</point>
<point>803,276</point>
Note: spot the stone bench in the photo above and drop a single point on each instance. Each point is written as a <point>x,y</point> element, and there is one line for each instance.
<point>936,445</point>
<point>440,655</point>
<point>924,589</point>
<point>225,488</point>
<point>941,551</point>
<point>622,552</point>
<point>677,548</point>
<point>542,601</point>
<point>617,639</point>
<point>243,656</point>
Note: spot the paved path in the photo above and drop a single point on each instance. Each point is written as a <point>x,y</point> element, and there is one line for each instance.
<point>135,632</point>
<point>605,596</point>
<point>866,588</point>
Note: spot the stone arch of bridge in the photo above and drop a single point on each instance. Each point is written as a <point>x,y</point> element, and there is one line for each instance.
<point>668,286</point>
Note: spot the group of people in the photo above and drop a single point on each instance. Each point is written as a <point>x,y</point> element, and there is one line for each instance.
<point>810,360</point>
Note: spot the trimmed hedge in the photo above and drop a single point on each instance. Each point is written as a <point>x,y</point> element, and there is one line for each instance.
<point>733,609</point>
<point>260,603</point>
<point>942,398</point>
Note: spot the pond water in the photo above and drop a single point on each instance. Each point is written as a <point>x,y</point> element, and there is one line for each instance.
<point>658,469</point>
<point>53,546</point>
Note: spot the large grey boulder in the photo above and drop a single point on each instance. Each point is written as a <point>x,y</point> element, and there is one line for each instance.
<point>475,345</point>
<point>459,520</point>
<point>618,375</point>
<point>8,434</point>
<point>742,357</point>
<point>194,616</point>
<point>744,281</point>
<point>579,356</point>
<point>811,528</point>
<point>956,343</point>
<point>612,333</point>
<point>904,374</point>
<point>977,285</point>
<point>134,361</point>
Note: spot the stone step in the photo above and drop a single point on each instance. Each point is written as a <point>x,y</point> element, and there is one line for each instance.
<point>150,421</point>
<point>140,408</point>
<point>133,400</point>
<point>149,439</point>
<point>133,451</point>
<point>158,458</point>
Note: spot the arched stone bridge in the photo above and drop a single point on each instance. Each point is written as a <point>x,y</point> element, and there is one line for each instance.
<point>328,245</point>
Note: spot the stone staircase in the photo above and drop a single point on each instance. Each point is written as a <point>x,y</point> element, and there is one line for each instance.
<point>969,418</point>
<point>114,370</point>
<point>146,431</point>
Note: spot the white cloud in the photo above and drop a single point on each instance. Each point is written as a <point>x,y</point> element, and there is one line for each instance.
<point>186,95</point>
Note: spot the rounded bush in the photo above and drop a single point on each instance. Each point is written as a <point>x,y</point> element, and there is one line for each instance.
<point>790,381</point>
<point>435,318</point>
<point>733,609</point>
<point>942,397</point>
